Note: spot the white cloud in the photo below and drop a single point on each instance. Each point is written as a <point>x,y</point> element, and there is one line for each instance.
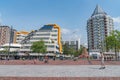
<point>116,23</point>
<point>65,31</point>
<point>70,34</point>
<point>116,19</point>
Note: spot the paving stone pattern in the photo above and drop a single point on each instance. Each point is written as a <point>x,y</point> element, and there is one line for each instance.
<point>59,78</point>
<point>59,71</point>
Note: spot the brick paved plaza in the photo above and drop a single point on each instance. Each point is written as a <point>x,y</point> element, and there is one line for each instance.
<point>56,62</point>
<point>58,70</point>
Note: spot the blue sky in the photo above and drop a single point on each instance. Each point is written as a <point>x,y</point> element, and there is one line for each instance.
<point>70,15</point>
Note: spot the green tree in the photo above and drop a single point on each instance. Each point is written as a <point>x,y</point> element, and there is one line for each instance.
<point>72,51</point>
<point>81,49</point>
<point>66,50</point>
<point>110,42</point>
<point>113,42</point>
<point>76,53</point>
<point>5,52</point>
<point>79,52</point>
<point>39,47</point>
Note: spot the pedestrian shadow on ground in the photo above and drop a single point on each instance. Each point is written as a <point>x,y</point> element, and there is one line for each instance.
<point>94,67</point>
<point>98,68</point>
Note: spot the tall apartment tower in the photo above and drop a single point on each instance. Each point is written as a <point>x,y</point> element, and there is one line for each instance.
<point>6,35</point>
<point>99,26</point>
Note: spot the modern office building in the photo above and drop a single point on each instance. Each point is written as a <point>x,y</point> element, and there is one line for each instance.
<point>13,47</point>
<point>99,26</point>
<point>20,36</point>
<point>7,35</point>
<point>75,44</point>
<point>50,34</point>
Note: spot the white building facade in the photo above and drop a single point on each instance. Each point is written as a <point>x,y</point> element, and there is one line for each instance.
<point>50,34</point>
<point>21,36</point>
<point>99,26</point>
<point>12,47</point>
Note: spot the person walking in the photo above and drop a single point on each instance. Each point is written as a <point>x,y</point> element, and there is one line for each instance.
<point>88,59</point>
<point>102,60</point>
<point>46,59</point>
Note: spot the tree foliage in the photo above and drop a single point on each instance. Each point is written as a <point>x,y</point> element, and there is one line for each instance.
<point>39,47</point>
<point>113,41</point>
<point>81,49</point>
<point>67,50</point>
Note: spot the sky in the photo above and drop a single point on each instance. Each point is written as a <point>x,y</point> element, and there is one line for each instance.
<point>70,15</point>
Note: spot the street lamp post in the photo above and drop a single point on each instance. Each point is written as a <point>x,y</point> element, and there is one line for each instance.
<point>9,44</point>
<point>115,51</point>
<point>115,46</point>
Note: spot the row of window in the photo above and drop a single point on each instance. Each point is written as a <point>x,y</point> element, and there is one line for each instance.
<point>48,46</point>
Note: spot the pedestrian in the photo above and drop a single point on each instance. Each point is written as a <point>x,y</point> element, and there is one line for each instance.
<point>46,59</point>
<point>54,58</point>
<point>34,61</point>
<point>102,60</point>
<point>88,58</point>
